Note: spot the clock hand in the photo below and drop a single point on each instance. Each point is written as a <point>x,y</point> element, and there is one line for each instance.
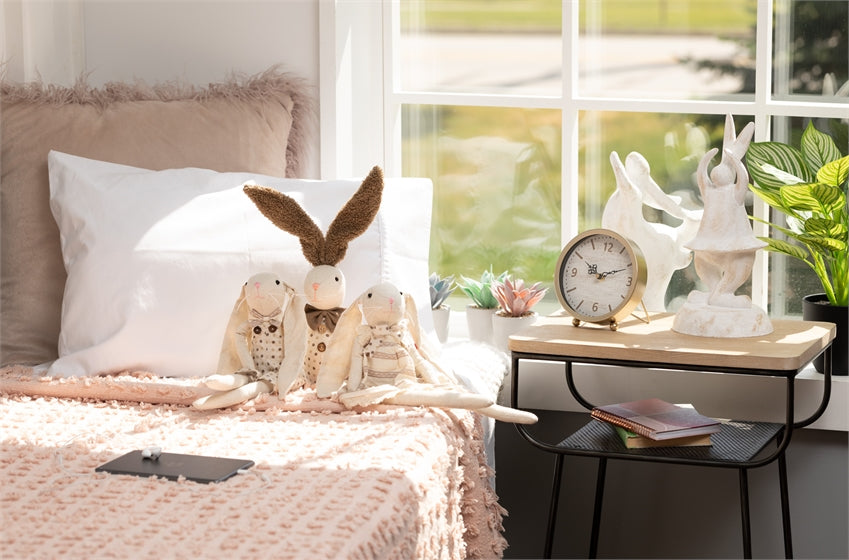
<point>603,275</point>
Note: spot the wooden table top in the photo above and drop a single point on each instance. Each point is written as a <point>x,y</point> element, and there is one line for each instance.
<point>791,345</point>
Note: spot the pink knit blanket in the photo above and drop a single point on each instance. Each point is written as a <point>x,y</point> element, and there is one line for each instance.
<point>387,482</point>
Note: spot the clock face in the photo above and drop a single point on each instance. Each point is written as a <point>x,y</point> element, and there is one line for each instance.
<point>600,276</point>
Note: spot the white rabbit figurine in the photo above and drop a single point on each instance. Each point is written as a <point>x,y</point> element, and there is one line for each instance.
<point>385,360</point>
<point>324,285</point>
<point>263,344</point>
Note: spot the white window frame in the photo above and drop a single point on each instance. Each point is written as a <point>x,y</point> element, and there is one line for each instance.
<point>360,104</point>
<point>361,100</point>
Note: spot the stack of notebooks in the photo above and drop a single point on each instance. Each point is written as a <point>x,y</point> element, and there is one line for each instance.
<point>657,423</point>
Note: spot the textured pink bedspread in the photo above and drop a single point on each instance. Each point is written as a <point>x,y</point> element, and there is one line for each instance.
<point>389,482</point>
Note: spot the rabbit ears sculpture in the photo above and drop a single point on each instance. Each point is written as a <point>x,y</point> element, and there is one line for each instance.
<point>351,221</point>
<point>733,144</point>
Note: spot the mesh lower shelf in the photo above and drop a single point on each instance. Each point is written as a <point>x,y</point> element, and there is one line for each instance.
<point>736,442</point>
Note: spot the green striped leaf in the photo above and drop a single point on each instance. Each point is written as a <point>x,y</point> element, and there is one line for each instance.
<point>815,197</point>
<point>773,164</point>
<point>771,197</point>
<point>779,246</point>
<point>817,147</point>
<point>824,245</point>
<point>835,172</point>
<point>824,227</point>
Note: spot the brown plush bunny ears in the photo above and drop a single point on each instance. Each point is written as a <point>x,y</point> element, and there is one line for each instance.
<point>351,221</point>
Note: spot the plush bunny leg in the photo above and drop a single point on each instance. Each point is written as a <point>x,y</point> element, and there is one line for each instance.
<point>421,394</point>
<point>507,414</point>
<point>234,397</point>
<point>226,382</point>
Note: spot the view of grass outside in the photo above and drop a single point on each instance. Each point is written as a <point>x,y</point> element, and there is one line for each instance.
<point>496,188</point>
<point>731,17</point>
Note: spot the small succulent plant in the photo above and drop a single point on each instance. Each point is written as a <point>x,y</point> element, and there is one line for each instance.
<point>480,291</point>
<point>516,299</point>
<point>440,289</point>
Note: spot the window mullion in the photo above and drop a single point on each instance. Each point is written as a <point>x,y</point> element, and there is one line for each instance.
<point>391,84</point>
<point>763,122</point>
<point>569,187</point>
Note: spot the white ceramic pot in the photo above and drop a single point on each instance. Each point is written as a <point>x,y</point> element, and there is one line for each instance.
<point>504,326</point>
<point>440,322</point>
<point>479,322</point>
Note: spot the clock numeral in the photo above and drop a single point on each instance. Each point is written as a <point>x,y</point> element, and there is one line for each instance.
<point>608,247</point>
<point>573,272</point>
<point>628,283</point>
<point>595,307</point>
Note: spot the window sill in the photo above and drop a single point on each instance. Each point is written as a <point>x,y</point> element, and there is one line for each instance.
<point>742,397</point>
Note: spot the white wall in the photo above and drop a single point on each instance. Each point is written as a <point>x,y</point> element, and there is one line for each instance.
<point>200,41</point>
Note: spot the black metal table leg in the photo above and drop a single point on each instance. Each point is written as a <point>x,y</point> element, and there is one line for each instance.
<point>785,506</point>
<point>599,497</point>
<point>552,509</point>
<point>744,513</point>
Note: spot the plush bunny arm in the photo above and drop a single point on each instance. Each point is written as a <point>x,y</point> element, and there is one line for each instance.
<point>355,368</point>
<point>284,212</point>
<point>234,397</point>
<point>226,381</point>
<point>243,353</point>
<point>424,394</point>
<point>340,350</point>
<point>354,218</point>
<point>294,345</point>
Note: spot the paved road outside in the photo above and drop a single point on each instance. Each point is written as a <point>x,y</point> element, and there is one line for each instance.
<point>613,65</point>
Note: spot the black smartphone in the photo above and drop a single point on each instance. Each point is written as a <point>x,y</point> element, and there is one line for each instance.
<point>198,468</point>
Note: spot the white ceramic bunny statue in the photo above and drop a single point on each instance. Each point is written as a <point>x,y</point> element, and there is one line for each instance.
<point>263,344</point>
<point>324,284</point>
<point>386,360</point>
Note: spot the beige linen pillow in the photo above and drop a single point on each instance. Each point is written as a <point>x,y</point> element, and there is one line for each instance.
<point>257,124</point>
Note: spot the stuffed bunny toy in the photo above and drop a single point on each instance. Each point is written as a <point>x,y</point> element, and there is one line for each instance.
<point>324,284</point>
<point>379,356</point>
<point>263,344</point>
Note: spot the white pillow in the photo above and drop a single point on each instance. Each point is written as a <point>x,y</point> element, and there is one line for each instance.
<point>156,259</point>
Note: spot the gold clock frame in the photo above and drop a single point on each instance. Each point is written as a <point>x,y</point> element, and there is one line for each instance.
<point>634,296</point>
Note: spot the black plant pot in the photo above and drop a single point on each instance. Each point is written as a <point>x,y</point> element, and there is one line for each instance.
<point>816,307</point>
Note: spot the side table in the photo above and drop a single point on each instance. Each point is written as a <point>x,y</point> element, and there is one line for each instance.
<point>740,444</point>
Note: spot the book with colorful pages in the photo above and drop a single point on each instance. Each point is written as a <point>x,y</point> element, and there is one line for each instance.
<point>656,419</point>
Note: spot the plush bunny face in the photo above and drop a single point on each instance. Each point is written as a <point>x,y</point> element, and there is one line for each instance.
<point>383,304</point>
<point>324,287</point>
<point>265,292</point>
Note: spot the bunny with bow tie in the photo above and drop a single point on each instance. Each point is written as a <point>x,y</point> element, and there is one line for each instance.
<point>324,284</point>
<point>263,344</point>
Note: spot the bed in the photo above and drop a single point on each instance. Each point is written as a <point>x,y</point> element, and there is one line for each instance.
<point>120,262</point>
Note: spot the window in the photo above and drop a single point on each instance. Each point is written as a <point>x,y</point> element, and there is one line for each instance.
<point>514,107</point>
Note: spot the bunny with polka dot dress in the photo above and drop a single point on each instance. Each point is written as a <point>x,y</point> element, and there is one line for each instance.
<point>263,344</point>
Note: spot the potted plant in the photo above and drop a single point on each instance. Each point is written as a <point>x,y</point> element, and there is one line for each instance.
<point>440,289</point>
<point>808,185</point>
<point>479,312</point>
<point>515,301</point>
